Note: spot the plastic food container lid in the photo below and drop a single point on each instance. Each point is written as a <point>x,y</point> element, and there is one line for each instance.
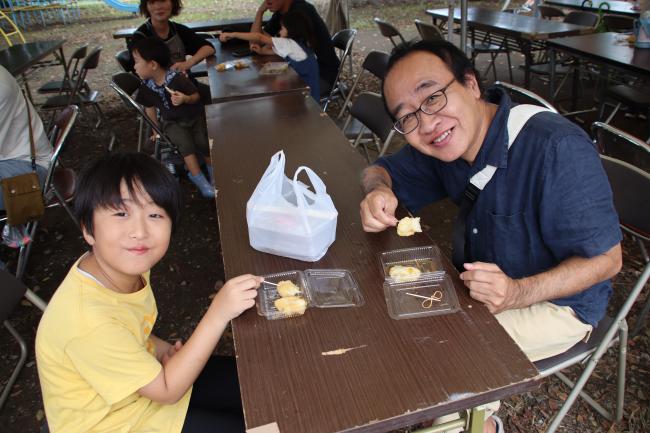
<point>420,298</point>
<point>426,259</point>
<point>274,68</point>
<point>322,288</point>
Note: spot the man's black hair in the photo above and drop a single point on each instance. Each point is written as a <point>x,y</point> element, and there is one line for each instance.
<point>154,49</point>
<point>177,5</point>
<point>299,28</point>
<point>98,186</point>
<point>457,62</point>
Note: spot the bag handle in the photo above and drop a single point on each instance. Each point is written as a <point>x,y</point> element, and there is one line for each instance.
<point>300,192</point>
<point>32,148</point>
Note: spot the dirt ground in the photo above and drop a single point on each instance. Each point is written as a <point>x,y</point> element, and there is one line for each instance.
<point>185,279</point>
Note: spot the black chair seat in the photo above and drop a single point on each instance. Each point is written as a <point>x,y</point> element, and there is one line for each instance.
<point>63,100</point>
<point>55,87</point>
<point>579,350</point>
<point>630,96</point>
<point>545,69</point>
<point>353,129</point>
<point>486,47</point>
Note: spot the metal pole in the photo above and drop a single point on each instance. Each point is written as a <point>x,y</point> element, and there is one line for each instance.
<point>450,19</point>
<point>463,27</point>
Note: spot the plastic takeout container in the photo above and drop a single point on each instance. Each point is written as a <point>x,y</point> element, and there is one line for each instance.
<point>429,294</point>
<point>274,68</point>
<point>321,288</point>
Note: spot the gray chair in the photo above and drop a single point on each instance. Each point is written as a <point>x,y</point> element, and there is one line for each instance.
<point>550,12</point>
<point>389,31</point>
<point>343,41</point>
<point>124,60</point>
<point>524,96</point>
<point>631,189</point>
<point>370,110</point>
<point>10,296</point>
<point>72,72</point>
<point>636,99</point>
<point>582,18</point>
<point>429,32</point>
<point>376,63</point>
<point>618,23</point>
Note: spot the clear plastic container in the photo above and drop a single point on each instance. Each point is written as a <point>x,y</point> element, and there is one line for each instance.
<point>274,68</point>
<point>428,293</point>
<point>426,259</point>
<point>321,288</point>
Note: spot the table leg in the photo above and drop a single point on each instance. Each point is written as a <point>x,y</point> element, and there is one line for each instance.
<point>66,76</point>
<point>528,56</point>
<point>476,420</point>
<point>551,84</point>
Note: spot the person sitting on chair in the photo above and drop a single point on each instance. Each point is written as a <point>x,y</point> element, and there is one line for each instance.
<point>541,240</point>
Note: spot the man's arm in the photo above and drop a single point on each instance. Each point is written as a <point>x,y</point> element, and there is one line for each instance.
<point>378,207</point>
<point>488,284</point>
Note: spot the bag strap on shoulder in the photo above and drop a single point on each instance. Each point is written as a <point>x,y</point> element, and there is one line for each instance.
<point>32,148</point>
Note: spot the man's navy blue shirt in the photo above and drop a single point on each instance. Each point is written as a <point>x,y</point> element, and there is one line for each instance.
<point>548,200</point>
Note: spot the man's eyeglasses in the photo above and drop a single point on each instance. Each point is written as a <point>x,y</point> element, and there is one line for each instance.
<point>431,105</point>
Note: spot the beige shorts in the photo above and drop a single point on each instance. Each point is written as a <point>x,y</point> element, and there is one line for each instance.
<point>541,331</point>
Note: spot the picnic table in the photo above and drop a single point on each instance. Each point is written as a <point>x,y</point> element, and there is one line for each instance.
<point>238,24</point>
<point>343,369</point>
<point>247,82</point>
<point>611,7</point>
<point>521,32</point>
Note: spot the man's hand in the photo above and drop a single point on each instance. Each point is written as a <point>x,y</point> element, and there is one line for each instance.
<point>488,284</point>
<point>378,210</point>
<point>178,98</point>
<point>236,296</point>
<point>182,67</point>
<point>171,351</point>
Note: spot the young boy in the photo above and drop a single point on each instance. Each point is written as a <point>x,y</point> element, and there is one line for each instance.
<point>178,100</point>
<point>100,367</point>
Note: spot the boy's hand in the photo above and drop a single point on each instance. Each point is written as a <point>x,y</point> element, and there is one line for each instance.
<point>236,296</point>
<point>255,47</point>
<point>178,98</point>
<point>171,351</point>
<point>225,36</point>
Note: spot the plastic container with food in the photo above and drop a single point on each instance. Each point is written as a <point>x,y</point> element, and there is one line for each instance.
<point>289,294</point>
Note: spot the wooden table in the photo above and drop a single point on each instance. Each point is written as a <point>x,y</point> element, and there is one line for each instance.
<point>399,372</point>
<point>248,83</point>
<point>20,58</point>
<point>239,25</point>
<point>604,49</point>
<point>615,7</point>
<point>524,31</point>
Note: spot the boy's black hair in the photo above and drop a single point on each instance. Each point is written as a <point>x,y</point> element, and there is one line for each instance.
<point>154,49</point>
<point>457,62</point>
<point>299,28</point>
<point>177,5</point>
<point>99,183</point>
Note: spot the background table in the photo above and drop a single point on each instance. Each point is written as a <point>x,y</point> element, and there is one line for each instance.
<point>616,7</point>
<point>247,83</point>
<point>523,31</point>
<point>19,58</point>
<point>400,372</point>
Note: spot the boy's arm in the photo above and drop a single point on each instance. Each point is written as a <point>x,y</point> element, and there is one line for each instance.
<point>181,370</point>
<point>265,50</point>
<point>180,98</point>
<point>257,37</point>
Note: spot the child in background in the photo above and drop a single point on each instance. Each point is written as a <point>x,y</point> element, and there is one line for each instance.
<point>177,98</point>
<point>296,45</point>
<point>100,366</point>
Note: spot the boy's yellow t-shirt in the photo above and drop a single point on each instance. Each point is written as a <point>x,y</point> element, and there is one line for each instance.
<point>93,354</point>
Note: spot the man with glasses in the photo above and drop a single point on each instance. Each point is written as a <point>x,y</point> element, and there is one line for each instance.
<point>541,240</point>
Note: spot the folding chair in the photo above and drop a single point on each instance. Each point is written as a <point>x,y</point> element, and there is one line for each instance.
<point>376,63</point>
<point>618,144</point>
<point>78,96</point>
<point>125,84</point>
<point>343,41</point>
<point>60,183</point>
<point>429,32</point>
<point>631,188</point>
<point>124,60</point>
<point>618,23</point>
<point>389,31</point>
<point>634,98</point>
<point>486,46</point>
<point>369,109</point>
<point>10,295</point>
<point>550,12</point>
<point>72,71</point>
<point>521,95</point>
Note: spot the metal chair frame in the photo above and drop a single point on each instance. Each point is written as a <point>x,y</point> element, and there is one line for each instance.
<point>376,63</point>
<point>367,108</point>
<point>389,31</point>
<point>520,91</point>
<point>613,330</point>
<point>343,40</point>
<point>429,32</point>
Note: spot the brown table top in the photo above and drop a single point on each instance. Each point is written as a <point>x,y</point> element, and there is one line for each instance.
<point>18,58</point>
<point>514,25</point>
<point>241,24</point>
<point>608,48</point>
<point>247,83</point>
<point>401,372</point>
<point>615,7</point>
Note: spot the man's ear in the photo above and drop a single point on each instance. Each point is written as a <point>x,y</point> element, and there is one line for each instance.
<point>472,85</point>
<point>87,236</point>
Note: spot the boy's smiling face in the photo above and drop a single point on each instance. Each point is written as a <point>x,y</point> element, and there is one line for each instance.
<point>129,241</point>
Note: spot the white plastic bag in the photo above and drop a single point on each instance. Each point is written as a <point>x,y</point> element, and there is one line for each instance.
<point>285,218</point>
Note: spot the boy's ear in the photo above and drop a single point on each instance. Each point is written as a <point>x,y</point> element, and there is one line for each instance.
<point>87,236</point>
